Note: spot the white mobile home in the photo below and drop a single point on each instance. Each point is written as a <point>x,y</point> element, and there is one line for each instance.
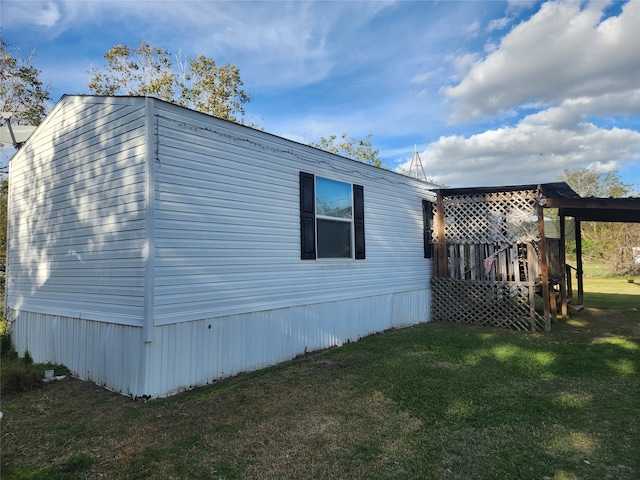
<point>152,248</point>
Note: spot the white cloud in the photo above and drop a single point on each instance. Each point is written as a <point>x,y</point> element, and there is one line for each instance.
<point>498,24</point>
<point>422,77</point>
<point>561,52</point>
<point>47,16</point>
<point>532,151</point>
<point>473,28</point>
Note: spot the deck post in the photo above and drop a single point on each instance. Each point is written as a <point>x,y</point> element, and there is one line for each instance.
<point>544,273</point>
<point>442,248</point>
<point>563,266</point>
<point>579,262</point>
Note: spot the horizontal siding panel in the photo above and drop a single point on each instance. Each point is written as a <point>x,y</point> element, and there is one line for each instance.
<point>101,207</point>
<point>122,284</point>
<point>124,129</point>
<point>123,178</point>
<point>90,275</point>
<point>211,195</point>
<point>120,183</point>
<point>56,132</point>
<point>108,230</point>
<point>119,312</point>
<point>78,211</point>
<point>88,236</point>
<point>265,295</point>
<point>216,158</point>
<point>244,210</point>
<point>172,233</point>
<point>26,227</point>
<point>74,165</point>
<point>226,217</point>
<point>71,301</point>
<point>95,256</point>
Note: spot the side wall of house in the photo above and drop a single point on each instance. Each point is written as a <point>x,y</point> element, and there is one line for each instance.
<point>231,291</point>
<point>227,223</point>
<point>76,234</point>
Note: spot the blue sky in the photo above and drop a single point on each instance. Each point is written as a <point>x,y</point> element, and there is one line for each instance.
<point>490,92</point>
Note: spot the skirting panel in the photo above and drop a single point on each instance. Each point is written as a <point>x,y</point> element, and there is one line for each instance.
<point>105,353</point>
<point>185,355</point>
<point>190,354</point>
<point>487,303</point>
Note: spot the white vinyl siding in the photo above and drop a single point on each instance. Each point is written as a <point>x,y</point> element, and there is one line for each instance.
<point>227,224</point>
<point>77,215</point>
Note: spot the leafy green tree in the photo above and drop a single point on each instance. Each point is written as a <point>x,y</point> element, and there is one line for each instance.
<point>149,71</point>
<point>212,89</point>
<point>588,183</point>
<point>145,71</point>
<point>606,243</point>
<point>27,97</point>
<point>361,150</point>
<point>22,92</point>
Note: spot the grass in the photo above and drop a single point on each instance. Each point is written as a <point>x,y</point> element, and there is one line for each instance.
<point>438,401</point>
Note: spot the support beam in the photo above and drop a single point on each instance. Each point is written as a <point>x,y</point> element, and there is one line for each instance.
<point>563,267</point>
<point>579,262</point>
<point>544,274</point>
<point>441,260</point>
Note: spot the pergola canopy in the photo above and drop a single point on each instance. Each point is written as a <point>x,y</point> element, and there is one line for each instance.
<point>560,195</point>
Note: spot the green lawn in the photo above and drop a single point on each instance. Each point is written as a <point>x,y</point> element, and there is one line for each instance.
<point>435,401</point>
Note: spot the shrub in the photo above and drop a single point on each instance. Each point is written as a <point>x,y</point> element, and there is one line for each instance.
<point>6,346</point>
<point>17,378</point>
<point>27,359</point>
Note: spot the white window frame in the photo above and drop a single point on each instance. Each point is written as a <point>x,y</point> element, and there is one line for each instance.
<point>350,221</point>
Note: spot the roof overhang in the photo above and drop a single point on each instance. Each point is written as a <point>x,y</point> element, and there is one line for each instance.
<point>560,195</point>
<point>598,209</point>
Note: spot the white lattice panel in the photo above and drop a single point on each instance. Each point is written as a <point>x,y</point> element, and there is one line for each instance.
<point>486,303</point>
<point>503,217</point>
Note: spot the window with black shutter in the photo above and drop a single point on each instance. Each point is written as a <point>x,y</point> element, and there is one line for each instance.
<point>331,219</point>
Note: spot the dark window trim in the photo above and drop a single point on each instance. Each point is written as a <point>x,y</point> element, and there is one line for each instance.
<point>427,222</point>
<point>358,222</point>
<point>308,219</point>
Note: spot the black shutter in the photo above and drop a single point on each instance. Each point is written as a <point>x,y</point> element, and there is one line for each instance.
<point>427,219</point>
<point>307,217</point>
<point>358,221</point>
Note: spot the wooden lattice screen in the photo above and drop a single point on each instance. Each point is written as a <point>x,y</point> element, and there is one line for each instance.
<point>488,259</point>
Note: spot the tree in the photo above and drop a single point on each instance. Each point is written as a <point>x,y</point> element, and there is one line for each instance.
<point>27,98</point>
<point>605,243</point>
<point>588,183</point>
<point>21,90</point>
<point>212,89</point>
<point>149,71</point>
<point>360,150</point>
<point>145,71</point>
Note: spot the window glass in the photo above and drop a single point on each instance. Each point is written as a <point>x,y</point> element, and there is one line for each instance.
<point>334,239</point>
<point>333,199</point>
